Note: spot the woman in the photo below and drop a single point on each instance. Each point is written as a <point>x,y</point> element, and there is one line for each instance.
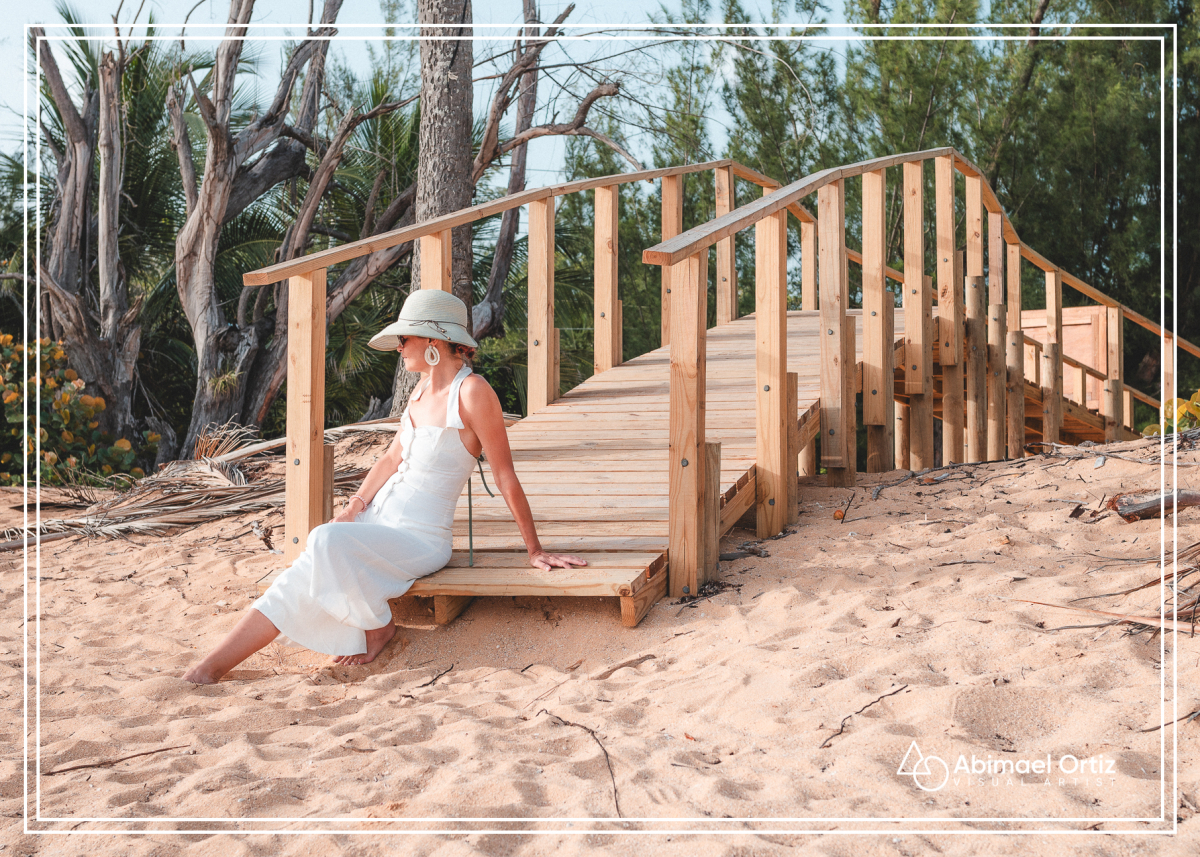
<point>333,598</point>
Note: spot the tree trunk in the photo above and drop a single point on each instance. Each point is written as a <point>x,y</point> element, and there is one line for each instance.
<point>487,317</point>
<point>444,168</point>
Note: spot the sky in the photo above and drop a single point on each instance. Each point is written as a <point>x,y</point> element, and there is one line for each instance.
<point>358,22</point>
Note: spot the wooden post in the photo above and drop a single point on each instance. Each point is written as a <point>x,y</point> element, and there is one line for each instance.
<point>727,292</point>
<point>953,416</point>
<point>997,376</point>
<point>541,304</point>
<point>712,515</point>
<point>1114,388</point>
<point>770,372</point>
<point>1015,354</point>
<point>436,261</point>
<point>686,501</point>
<point>305,468</point>
<point>791,473</point>
<point>901,436</point>
<point>672,225</point>
<point>918,323</point>
<point>1015,388</point>
<point>837,441</point>
<point>619,333</point>
<point>1127,407</point>
<point>1052,366</point>
<point>808,265</point>
<point>556,374</point>
<point>604,282</point>
<point>879,371</point>
<point>976,323</point>
<point>1168,377</point>
<point>950,286</point>
<point>1051,392</point>
<point>996,253</point>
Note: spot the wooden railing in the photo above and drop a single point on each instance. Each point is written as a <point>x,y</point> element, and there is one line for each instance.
<point>972,334</point>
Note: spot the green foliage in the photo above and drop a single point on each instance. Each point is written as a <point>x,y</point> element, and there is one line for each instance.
<point>1178,415</point>
<point>72,446</point>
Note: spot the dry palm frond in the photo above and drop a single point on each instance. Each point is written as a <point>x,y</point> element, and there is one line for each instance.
<point>215,440</point>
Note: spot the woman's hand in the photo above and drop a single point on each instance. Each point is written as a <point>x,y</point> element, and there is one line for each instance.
<point>353,506</point>
<point>544,560</point>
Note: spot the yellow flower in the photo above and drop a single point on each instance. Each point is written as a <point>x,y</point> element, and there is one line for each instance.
<point>51,458</point>
<point>137,473</point>
<point>6,339</point>
<point>100,402</point>
<point>87,401</point>
<point>91,449</point>
<point>71,375</point>
<point>51,383</point>
<point>68,437</point>
<point>94,424</point>
<point>65,399</point>
<point>123,445</point>
<point>11,396</point>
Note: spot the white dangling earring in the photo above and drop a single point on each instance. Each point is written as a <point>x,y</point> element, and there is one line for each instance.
<point>432,356</point>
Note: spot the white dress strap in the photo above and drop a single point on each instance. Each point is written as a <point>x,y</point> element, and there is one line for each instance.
<point>453,420</point>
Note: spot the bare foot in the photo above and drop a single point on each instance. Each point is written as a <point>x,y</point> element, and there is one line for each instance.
<point>376,641</point>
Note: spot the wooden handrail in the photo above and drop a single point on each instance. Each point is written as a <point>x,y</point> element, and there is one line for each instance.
<point>889,272</point>
<point>345,252</point>
<point>1142,397</point>
<point>1079,364</point>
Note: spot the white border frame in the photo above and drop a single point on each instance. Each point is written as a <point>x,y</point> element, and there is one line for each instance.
<point>636,32</point>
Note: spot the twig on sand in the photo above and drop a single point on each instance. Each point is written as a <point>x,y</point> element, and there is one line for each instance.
<point>603,749</point>
<point>842,728</point>
<point>632,662</point>
<point>110,762</point>
<point>1187,718</point>
<point>435,678</point>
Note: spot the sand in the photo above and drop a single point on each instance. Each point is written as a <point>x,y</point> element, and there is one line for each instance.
<point>795,693</point>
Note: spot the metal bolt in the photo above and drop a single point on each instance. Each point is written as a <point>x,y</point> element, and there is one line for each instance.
<point>830,333</point>
<point>686,590</point>
<point>974,347</point>
<point>945,259</point>
<point>872,312</point>
<point>766,388</point>
<point>602,315</point>
<point>771,502</point>
<point>914,291</point>
<point>535,342</point>
<point>831,431</point>
<point>685,462</point>
<point>874,392</point>
<point>668,291</point>
<point>297,461</point>
<point>724,279</point>
<point>296,540</point>
<point>914,367</point>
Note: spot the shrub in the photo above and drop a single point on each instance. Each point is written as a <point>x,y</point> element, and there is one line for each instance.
<point>1178,415</point>
<point>73,448</point>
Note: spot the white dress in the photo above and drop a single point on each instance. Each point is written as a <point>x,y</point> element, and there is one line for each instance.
<point>339,587</point>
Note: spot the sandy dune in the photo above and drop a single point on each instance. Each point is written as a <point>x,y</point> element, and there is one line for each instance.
<point>902,612</point>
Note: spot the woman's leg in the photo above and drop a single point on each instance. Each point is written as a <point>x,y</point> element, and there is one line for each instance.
<point>251,633</point>
<point>377,639</point>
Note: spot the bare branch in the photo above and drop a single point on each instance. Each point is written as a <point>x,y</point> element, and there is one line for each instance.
<point>182,144</point>
<point>72,121</point>
<point>574,127</point>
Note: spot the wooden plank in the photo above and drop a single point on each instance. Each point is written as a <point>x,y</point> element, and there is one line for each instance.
<point>541,305</point>
<point>327,484</point>
<point>437,261</point>
<point>878,343</point>
<point>727,292</point>
<point>446,608</point>
<point>953,415</point>
<point>835,446</point>
<point>604,283</point>
<point>556,370</point>
<point>918,300</point>
<point>689,318</point>
<point>1052,401</point>
<point>949,286</point>
<point>975,370</point>
<point>770,370</point>
<point>707,569</point>
<point>1114,350</point>
<point>790,460</point>
<point>305,468</point>
<point>1167,387</point>
<point>636,606</point>
<point>997,376</point>
<point>973,198</point>
<point>901,436</point>
<point>672,225</point>
<point>741,503</point>
<point>808,265</point>
<point>996,253</point>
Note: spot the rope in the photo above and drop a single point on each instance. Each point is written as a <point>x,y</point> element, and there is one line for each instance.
<point>471,512</point>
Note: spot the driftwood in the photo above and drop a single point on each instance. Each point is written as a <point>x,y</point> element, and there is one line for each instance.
<point>1139,505</point>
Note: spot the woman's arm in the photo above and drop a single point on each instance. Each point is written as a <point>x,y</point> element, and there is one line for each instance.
<point>481,412</point>
<point>378,474</point>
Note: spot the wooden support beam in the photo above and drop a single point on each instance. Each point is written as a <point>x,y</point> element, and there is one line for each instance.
<point>604,281</point>
<point>996,254</point>
<point>950,287</point>
<point>901,436</point>
<point>672,225</point>
<point>997,376</point>
<point>619,333</point>
<point>1127,408</point>
<point>879,341</point>
<point>1052,404</point>
<point>727,291</point>
<point>446,608</point>
<point>327,485</point>
<point>634,607</point>
<point>1168,376</point>
<point>791,474</point>
<point>1014,385</point>
<point>436,261</point>
<point>686,515</point>
<point>1012,295</point>
<point>808,266</point>
<point>305,469</point>
<point>556,374</point>
<point>953,411</point>
<point>712,515</point>
<point>918,324</point>
<point>973,197</point>
<point>541,305</point>
<point>837,445</point>
<point>1052,365</point>
<point>770,372</point>
<point>1113,406</point>
<point>975,370</point>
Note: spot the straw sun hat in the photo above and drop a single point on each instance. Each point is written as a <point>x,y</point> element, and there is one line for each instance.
<point>429,313</point>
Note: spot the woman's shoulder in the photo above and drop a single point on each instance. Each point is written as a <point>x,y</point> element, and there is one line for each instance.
<point>476,393</point>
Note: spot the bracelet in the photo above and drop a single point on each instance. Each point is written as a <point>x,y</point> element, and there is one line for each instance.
<point>358,497</point>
